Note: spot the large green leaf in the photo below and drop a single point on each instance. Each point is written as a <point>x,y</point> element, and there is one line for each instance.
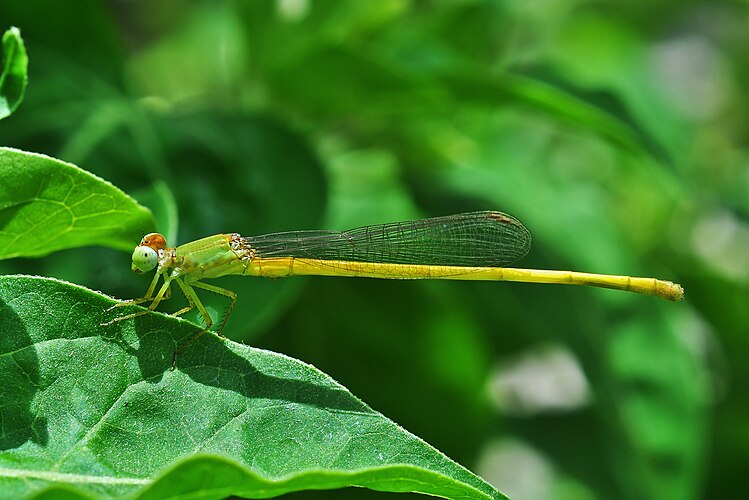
<point>48,205</point>
<point>396,93</point>
<point>13,77</point>
<point>97,409</point>
<point>561,103</point>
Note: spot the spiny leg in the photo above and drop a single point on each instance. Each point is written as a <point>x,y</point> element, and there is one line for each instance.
<point>148,296</point>
<point>221,291</point>
<point>152,307</point>
<point>194,300</point>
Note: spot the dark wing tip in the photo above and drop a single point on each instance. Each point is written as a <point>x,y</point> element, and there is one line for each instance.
<point>521,232</point>
<point>502,217</point>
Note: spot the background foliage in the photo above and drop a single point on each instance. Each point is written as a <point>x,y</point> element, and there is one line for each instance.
<point>617,131</point>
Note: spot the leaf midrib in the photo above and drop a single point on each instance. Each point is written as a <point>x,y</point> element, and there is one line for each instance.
<point>72,478</point>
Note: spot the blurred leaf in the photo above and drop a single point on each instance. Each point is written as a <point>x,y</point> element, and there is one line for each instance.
<point>341,77</point>
<point>580,108</point>
<point>347,85</point>
<point>13,78</point>
<point>48,205</point>
<point>197,58</point>
<point>286,32</point>
<point>160,199</point>
<point>366,188</point>
<point>599,51</point>
<point>657,394</point>
<point>96,408</point>
<point>89,32</point>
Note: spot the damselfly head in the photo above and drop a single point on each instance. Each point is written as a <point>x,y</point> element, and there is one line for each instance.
<point>146,255</point>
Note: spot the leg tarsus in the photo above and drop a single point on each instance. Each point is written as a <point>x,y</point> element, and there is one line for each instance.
<point>182,311</point>
<point>127,316</point>
<point>132,302</point>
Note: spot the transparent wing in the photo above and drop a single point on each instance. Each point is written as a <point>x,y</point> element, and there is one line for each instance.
<point>489,238</point>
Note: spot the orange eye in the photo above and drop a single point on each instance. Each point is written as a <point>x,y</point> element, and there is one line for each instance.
<point>153,240</point>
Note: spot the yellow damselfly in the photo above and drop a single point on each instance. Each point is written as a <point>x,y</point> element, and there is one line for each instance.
<point>470,246</point>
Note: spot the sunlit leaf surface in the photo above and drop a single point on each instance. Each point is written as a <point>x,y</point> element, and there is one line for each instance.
<point>97,409</point>
<point>48,205</point>
<point>13,77</point>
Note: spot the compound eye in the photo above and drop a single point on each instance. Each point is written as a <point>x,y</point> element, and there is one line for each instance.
<point>144,259</point>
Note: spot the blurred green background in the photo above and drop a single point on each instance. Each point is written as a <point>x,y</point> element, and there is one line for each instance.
<point>617,131</point>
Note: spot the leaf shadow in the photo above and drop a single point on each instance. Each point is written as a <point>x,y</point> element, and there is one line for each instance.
<point>223,364</point>
<point>19,383</point>
<point>241,374</point>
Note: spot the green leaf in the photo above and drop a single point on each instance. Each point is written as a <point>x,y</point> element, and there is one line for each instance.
<point>619,128</point>
<point>13,78</point>
<point>657,395</point>
<point>48,205</point>
<point>96,409</point>
<point>400,90</point>
<point>161,200</point>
